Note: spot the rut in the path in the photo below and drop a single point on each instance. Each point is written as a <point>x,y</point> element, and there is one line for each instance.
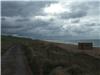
<point>14,62</point>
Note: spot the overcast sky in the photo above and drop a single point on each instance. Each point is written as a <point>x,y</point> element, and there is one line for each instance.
<point>59,20</point>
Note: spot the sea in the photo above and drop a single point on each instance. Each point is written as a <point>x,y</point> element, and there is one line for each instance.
<point>96,43</point>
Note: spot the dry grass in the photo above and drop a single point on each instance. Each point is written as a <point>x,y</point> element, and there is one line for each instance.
<point>51,55</point>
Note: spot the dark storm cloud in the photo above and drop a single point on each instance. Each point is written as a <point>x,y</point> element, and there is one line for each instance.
<point>28,19</point>
<point>22,8</point>
<point>12,8</point>
<point>22,26</point>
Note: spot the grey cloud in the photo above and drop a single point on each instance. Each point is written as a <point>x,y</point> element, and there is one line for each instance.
<point>23,19</point>
<point>93,24</point>
<point>75,20</point>
<point>12,8</point>
<point>82,9</point>
<point>16,19</point>
<point>22,8</point>
<point>3,19</point>
<point>86,28</point>
<point>22,25</point>
<point>8,26</point>
<point>82,31</point>
<point>74,14</point>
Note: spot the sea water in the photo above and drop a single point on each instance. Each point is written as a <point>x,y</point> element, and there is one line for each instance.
<point>96,43</point>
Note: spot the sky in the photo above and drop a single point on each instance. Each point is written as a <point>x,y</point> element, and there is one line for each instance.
<point>52,20</point>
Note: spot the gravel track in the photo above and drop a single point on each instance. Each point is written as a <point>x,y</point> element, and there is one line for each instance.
<point>14,62</point>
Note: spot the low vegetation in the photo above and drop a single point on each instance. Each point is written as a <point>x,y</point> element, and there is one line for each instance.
<point>46,57</point>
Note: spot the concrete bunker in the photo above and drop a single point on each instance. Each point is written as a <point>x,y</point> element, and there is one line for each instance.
<point>85,45</point>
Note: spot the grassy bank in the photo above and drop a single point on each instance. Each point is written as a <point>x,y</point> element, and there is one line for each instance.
<point>44,57</point>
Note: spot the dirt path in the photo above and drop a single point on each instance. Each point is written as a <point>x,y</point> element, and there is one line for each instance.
<point>14,62</point>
